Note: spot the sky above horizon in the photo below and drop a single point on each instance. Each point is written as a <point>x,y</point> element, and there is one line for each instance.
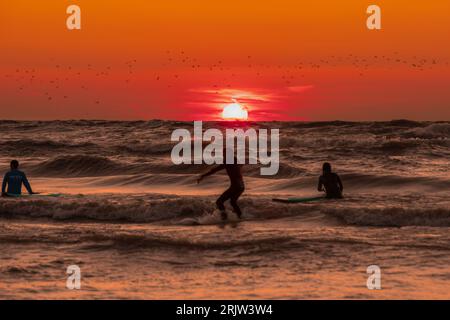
<point>186,60</point>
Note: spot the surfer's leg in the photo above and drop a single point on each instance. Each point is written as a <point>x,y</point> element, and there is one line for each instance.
<point>220,203</point>
<point>236,208</point>
<point>233,201</point>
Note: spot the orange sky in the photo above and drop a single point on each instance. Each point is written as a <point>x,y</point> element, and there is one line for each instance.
<point>178,59</point>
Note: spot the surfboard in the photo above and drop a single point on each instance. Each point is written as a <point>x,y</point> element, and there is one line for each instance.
<point>299,200</point>
<point>53,195</point>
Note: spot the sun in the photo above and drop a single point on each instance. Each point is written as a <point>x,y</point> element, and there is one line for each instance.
<point>234,111</point>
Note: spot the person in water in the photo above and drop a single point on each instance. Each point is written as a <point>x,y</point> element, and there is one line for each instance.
<point>235,190</point>
<point>14,180</point>
<point>331,182</point>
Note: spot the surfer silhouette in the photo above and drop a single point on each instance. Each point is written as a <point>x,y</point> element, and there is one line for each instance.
<point>14,180</point>
<point>331,182</point>
<point>235,190</point>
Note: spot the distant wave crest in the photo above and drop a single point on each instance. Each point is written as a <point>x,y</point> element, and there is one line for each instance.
<point>175,210</point>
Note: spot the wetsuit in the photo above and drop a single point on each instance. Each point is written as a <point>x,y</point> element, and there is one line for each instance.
<point>235,190</point>
<point>332,183</point>
<point>14,179</point>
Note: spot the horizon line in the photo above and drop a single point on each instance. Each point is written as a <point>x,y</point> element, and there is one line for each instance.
<point>224,121</point>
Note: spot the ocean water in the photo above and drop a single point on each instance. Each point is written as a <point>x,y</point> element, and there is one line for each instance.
<point>140,227</point>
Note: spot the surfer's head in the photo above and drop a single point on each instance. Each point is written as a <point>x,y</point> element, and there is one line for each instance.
<point>14,164</point>
<point>326,167</point>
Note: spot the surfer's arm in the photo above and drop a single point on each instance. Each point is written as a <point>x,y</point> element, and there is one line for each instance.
<point>341,186</point>
<point>5,182</point>
<point>27,184</point>
<point>320,185</point>
<point>210,172</point>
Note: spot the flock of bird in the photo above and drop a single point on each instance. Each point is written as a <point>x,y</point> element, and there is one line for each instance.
<point>71,77</point>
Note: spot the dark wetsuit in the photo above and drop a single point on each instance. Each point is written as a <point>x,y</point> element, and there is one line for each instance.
<point>235,190</point>
<point>332,183</point>
<point>14,179</point>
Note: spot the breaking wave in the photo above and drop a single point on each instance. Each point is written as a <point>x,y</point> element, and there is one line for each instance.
<point>175,210</point>
<point>432,131</point>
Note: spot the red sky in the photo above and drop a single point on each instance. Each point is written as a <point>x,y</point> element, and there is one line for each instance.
<point>283,60</point>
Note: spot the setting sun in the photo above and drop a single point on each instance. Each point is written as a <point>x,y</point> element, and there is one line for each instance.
<point>234,111</point>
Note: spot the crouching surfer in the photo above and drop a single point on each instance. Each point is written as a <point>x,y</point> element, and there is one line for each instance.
<point>235,190</point>
<point>14,180</point>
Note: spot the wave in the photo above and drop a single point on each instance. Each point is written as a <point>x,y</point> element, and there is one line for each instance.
<point>28,146</point>
<point>143,138</point>
<point>168,125</point>
<point>145,149</point>
<point>97,166</point>
<point>432,131</point>
<point>393,216</point>
<point>153,241</point>
<point>368,181</point>
<point>366,154</point>
<point>107,172</point>
<point>77,166</point>
<point>360,145</point>
<point>401,123</point>
<point>360,181</point>
<point>97,208</point>
<point>95,239</point>
<point>411,142</point>
<point>174,210</point>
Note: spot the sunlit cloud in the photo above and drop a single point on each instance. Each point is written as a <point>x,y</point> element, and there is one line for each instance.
<point>261,103</point>
<point>214,99</point>
<point>227,94</point>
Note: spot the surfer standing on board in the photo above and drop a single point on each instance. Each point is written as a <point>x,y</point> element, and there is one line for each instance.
<point>14,179</point>
<point>235,190</point>
<point>331,182</point>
